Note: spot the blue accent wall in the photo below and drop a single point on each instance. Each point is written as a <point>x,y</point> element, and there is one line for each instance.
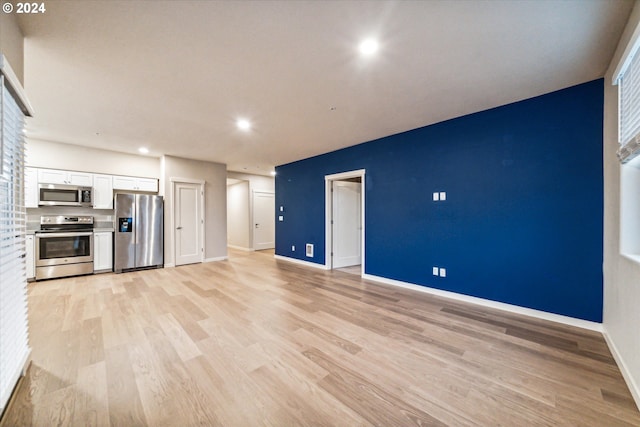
<point>523,219</point>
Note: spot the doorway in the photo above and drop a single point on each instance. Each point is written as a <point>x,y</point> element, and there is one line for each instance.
<point>188,221</point>
<point>344,227</point>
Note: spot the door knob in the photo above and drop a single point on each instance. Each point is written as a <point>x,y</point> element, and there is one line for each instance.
<point>256,225</point>
<point>178,228</point>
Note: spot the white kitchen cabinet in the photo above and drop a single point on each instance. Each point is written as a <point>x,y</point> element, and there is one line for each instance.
<point>30,187</point>
<point>124,183</point>
<point>54,176</point>
<point>102,191</point>
<point>30,257</point>
<point>135,184</point>
<point>102,251</point>
<point>148,184</point>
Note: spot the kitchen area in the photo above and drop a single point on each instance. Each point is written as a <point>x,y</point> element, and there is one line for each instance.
<point>85,223</point>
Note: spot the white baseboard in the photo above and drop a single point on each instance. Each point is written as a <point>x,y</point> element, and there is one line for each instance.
<point>220,258</point>
<point>301,262</point>
<point>634,388</point>
<point>240,248</point>
<point>585,324</point>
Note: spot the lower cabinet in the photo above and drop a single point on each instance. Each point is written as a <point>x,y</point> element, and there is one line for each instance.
<point>102,251</point>
<point>30,257</point>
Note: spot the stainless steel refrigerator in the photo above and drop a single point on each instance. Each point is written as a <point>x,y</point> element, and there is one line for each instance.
<point>139,232</point>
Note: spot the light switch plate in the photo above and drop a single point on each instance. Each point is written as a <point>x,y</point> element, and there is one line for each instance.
<point>280,218</point>
<point>293,248</point>
<point>436,196</point>
<point>443,272</point>
<point>443,195</point>
<point>435,271</point>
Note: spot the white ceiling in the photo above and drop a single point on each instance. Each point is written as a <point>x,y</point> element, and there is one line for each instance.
<point>175,75</point>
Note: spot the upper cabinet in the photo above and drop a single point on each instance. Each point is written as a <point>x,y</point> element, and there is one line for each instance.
<point>30,187</point>
<point>102,191</point>
<point>135,184</point>
<point>103,185</point>
<point>52,176</point>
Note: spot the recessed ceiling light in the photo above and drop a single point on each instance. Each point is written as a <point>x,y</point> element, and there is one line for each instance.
<point>243,124</point>
<point>143,150</point>
<point>368,47</point>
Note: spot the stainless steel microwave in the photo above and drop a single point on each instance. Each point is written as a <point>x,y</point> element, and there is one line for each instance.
<point>64,195</point>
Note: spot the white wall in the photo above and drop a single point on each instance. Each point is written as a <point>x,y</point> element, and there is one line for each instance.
<point>256,182</point>
<point>215,189</point>
<point>238,219</point>
<point>55,155</point>
<point>621,275</point>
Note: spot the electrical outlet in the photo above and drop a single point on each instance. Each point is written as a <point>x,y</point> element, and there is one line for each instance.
<point>280,218</point>
<point>436,196</point>
<point>443,195</point>
<point>309,250</point>
<point>293,248</point>
<point>435,271</point>
<point>443,272</point>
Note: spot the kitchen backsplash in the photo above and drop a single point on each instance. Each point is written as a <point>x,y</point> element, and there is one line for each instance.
<point>102,218</point>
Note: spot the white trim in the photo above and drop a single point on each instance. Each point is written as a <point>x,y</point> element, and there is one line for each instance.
<point>571,321</point>
<point>632,257</point>
<point>301,262</point>
<point>328,203</point>
<point>170,265</point>
<point>214,259</point>
<point>627,56</point>
<point>187,180</point>
<point>15,87</point>
<point>634,388</point>
<point>345,175</point>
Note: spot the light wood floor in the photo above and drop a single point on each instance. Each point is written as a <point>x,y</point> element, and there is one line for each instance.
<point>253,341</point>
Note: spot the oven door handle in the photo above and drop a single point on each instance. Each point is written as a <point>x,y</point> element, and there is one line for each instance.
<point>77,234</point>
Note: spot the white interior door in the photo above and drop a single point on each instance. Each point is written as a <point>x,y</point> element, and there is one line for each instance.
<point>346,224</point>
<point>264,218</point>
<point>188,223</point>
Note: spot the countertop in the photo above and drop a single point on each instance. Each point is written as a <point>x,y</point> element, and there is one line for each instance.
<point>32,231</point>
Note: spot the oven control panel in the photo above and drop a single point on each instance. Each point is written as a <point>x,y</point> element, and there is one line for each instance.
<point>61,219</point>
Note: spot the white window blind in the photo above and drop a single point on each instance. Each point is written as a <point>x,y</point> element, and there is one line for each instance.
<point>628,80</point>
<point>14,345</point>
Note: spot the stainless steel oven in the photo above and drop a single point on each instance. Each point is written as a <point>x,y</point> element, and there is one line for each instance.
<point>64,246</point>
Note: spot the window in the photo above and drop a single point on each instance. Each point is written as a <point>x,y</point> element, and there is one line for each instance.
<point>14,345</point>
<point>629,108</point>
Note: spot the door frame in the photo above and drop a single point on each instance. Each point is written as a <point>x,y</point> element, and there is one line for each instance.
<point>174,182</point>
<point>253,216</point>
<point>328,203</point>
